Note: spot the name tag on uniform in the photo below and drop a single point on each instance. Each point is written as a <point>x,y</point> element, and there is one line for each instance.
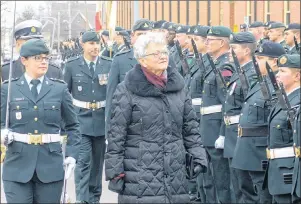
<point>79,88</point>
<point>102,79</point>
<point>232,88</point>
<point>18,115</point>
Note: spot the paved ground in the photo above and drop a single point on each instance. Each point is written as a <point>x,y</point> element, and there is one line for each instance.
<point>107,196</point>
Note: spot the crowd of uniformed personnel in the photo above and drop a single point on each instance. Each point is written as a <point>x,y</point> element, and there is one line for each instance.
<point>244,87</point>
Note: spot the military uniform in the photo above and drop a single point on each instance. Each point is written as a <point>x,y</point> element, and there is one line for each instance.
<point>89,98</point>
<point>211,116</point>
<point>33,168</point>
<point>293,49</point>
<point>279,25</point>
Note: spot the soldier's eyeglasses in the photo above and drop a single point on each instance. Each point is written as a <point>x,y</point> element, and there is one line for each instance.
<point>158,54</point>
<point>40,58</point>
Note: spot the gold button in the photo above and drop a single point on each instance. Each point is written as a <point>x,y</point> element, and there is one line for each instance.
<point>35,107</point>
<point>18,107</point>
<point>35,119</point>
<point>36,132</point>
<point>203,91</point>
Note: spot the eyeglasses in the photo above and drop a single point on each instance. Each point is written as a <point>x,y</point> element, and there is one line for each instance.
<point>40,58</point>
<point>158,54</point>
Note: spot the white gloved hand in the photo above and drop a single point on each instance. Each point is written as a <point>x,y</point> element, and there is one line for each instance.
<point>219,143</point>
<point>70,165</point>
<point>6,133</point>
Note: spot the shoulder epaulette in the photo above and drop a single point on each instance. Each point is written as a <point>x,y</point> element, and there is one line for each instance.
<point>54,65</point>
<point>72,59</point>
<point>6,81</point>
<point>58,80</point>
<point>106,58</point>
<point>123,52</point>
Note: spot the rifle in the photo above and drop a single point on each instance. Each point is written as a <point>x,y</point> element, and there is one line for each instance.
<point>281,95</point>
<point>216,71</point>
<point>198,58</point>
<point>296,44</point>
<point>262,81</point>
<point>104,42</point>
<point>242,75</point>
<point>182,58</point>
<point>126,43</point>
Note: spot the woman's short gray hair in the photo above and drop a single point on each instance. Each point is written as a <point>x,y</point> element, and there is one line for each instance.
<point>144,40</point>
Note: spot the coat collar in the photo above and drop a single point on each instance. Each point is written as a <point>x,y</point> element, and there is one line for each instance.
<point>137,83</point>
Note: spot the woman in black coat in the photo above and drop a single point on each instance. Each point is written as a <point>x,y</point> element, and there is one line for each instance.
<point>153,127</point>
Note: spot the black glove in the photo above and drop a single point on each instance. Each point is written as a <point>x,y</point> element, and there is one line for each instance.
<point>199,169</point>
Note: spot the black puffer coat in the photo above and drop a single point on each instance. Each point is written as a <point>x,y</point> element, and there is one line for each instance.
<point>149,134</point>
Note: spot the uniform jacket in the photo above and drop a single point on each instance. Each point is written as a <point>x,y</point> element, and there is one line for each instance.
<point>293,50</point>
<point>214,94</point>
<point>84,87</point>
<point>149,134</point>
<point>250,152</point>
<point>53,104</point>
<point>18,70</point>
<point>281,135</point>
<point>233,105</point>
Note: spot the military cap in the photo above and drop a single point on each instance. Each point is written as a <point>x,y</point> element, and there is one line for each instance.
<point>276,25</point>
<point>190,30</point>
<point>118,28</point>
<point>243,26</point>
<point>242,38</point>
<point>142,24</point>
<point>270,49</point>
<point>129,31</point>
<point>124,33</point>
<point>105,33</point>
<point>28,29</point>
<point>256,24</point>
<point>172,26</point>
<point>158,24</point>
<point>290,61</point>
<point>34,47</point>
<point>182,29</point>
<point>165,25</point>
<point>293,26</point>
<point>90,36</point>
<point>201,30</point>
<point>267,24</point>
<point>219,31</point>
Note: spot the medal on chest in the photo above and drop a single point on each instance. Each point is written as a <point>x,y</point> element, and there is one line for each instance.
<point>103,79</point>
<point>79,88</point>
<point>18,115</point>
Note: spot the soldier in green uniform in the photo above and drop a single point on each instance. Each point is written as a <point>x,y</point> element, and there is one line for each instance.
<point>280,151</point>
<point>249,157</point>
<point>33,168</point>
<point>244,45</point>
<point>257,29</point>
<point>87,78</point>
<point>170,36</point>
<point>157,26</point>
<point>276,34</point>
<point>292,30</point>
<point>213,97</point>
<point>24,31</point>
<point>122,63</point>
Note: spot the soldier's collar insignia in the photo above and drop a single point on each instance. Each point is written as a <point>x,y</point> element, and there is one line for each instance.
<point>33,29</point>
<point>260,49</point>
<point>145,25</point>
<point>283,60</point>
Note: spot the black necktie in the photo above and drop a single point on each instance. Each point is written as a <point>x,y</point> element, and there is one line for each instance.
<point>34,90</point>
<point>92,68</point>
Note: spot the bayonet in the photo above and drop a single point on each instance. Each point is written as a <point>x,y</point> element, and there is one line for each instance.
<point>182,58</point>
<point>217,72</point>
<point>296,45</point>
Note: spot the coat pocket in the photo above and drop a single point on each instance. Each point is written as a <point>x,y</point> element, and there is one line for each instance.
<point>116,185</point>
<point>52,112</point>
<point>19,112</point>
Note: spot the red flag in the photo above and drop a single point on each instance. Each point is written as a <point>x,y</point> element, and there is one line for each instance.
<point>98,23</point>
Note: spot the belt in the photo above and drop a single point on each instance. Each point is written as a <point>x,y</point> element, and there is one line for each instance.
<point>297,151</point>
<point>253,132</point>
<point>89,105</point>
<point>211,109</point>
<point>230,120</point>
<point>36,138</point>
<point>196,101</point>
<point>278,153</point>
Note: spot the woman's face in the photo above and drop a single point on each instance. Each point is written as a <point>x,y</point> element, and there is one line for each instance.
<point>156,58</point>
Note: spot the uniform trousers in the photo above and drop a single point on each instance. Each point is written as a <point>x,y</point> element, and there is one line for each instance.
<point>33,191</point>
<point>282,199</point>
<point>88,170</point>
<point>234,180</point>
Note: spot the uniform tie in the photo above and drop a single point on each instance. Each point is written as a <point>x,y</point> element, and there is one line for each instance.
<point>34,90</point>
<point>92,68</point>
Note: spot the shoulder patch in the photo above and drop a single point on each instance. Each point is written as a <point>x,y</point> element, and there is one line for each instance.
<point>6,81</point>
<point>58,80</point>
<point>106,58</point>
<point>122,52</point>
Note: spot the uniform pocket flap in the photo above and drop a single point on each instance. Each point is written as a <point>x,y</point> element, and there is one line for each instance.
<point>259,103</point>
<point>52,105</point>
<point>79,80</point>
<point>286,163</point>
<point>19,105</point>
<point>55,147</point>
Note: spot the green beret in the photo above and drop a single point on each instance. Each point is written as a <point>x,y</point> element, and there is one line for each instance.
<point>293,26</point>
<point>201,30</point>
<point>256,24</point>
<point>34,47</point>
<point>142,24</point>
<point>219,31</point>
<point>290,61</point>
<point>242,38</point>
<point>276,25</point>
<point>182,29</point>
<point>190,30</point>
<point>90,36</point>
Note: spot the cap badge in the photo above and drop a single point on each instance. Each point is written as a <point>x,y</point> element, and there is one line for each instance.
<point>231,37</point>
<point>179,28</point>
<point>196,31</point>
<point>145,25</point>
<point>270,26</point>
<point>283,60</point>
<point>260,49</point>
<point>188,30</point>
<point>33,29</point>
<point>170,27</point>
<point>210,31</point>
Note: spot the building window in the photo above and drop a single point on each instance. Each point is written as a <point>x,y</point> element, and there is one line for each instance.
<point>149,10</point>
<point>156,10</point>
<point>187,12</point>
<point>249,14</point>
<point>287,13</point>
<point>197,12</point>
<point>170,10</point>
<point>143,11</point>
<point>267,12</point>
<point>178,11</point>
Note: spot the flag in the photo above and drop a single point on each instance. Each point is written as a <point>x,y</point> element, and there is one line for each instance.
<point>98,15</point>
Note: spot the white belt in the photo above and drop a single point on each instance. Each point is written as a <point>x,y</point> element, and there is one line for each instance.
<point>89,105</point>
<point>196,101</point>
<point>36,138</point>
<point>230,120</point>
<point>278,153</point>
<point>211,109</point>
